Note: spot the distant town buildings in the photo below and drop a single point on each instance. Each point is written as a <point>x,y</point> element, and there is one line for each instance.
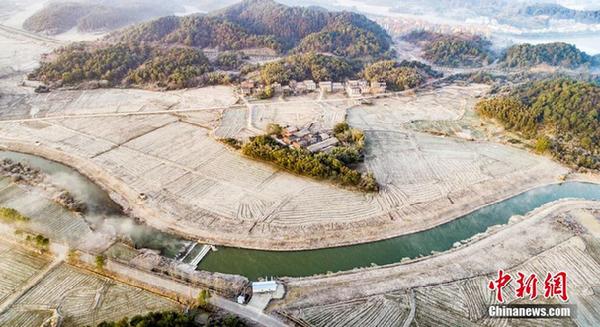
<point>353,88</point>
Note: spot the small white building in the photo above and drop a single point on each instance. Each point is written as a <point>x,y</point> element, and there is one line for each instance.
<point>337,86</point>
<point>264,287</point>
<point>300,88</point>
<point>378,87</point>
<point>326,86</point>
<point>310,85</point>
<point>317,147</point>
<point>276,87</point>
<point>247,87</point>
<point>353,91</point>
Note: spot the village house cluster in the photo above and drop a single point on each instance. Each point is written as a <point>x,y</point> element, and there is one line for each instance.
<point>310,136</point>
<point>353,88</point>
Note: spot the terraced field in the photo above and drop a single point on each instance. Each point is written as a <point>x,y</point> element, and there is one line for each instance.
<point>17,265</point>
<point>385,311</point>
<point>81,299</point>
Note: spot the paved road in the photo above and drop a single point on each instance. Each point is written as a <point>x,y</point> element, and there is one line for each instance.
<point>30,36</point>
<point>246,312</point>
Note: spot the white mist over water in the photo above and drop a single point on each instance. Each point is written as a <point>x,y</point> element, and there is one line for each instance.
<point>103,216</point>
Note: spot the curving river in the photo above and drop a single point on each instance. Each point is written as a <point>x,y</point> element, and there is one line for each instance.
<point>255,263</point>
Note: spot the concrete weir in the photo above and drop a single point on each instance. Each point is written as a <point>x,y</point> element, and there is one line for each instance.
<point>203,252</point>
<point>198,255</point>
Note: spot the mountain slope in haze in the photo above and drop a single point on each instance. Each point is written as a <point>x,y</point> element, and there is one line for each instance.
<point>265,23</point>
<point>60,17</point>
<point>556,11</point>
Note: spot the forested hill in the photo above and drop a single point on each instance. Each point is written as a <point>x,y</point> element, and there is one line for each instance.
<point>453,50</point>
<point>194,31</point>
<point>562,116</point>
<point>265,17</point>
<point>265,23</point>
<point>553,54</point>
<point>559,12</point>
<point>140,55</point>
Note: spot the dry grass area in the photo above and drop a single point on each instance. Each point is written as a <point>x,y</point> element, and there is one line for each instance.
<point>198,187</point>
<point>444,104</point>
<point>450,289</point>
<point>301,110</point>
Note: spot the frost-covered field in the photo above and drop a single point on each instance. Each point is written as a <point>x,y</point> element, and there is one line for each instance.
<point>81,299</point>
<point>163,145</point>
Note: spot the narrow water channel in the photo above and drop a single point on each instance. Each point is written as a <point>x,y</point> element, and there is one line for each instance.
<point>255,264</point>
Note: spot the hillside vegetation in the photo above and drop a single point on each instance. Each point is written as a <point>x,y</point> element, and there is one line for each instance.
<point>562,116</point>
<point>453,50</point>
<point>124,65</point>
<point>553,54</point>
<point>265,23</point>
<point>399,76</point>
<point>166,52</point>
<point>195,31</point>
<point>306,66</point>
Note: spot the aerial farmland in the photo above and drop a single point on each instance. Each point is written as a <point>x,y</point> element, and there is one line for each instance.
<point>271,165</point>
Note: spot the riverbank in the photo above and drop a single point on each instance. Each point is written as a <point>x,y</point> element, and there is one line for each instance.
<point>254,264</point>
<point>386,228</point>
<point>546,240</point>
